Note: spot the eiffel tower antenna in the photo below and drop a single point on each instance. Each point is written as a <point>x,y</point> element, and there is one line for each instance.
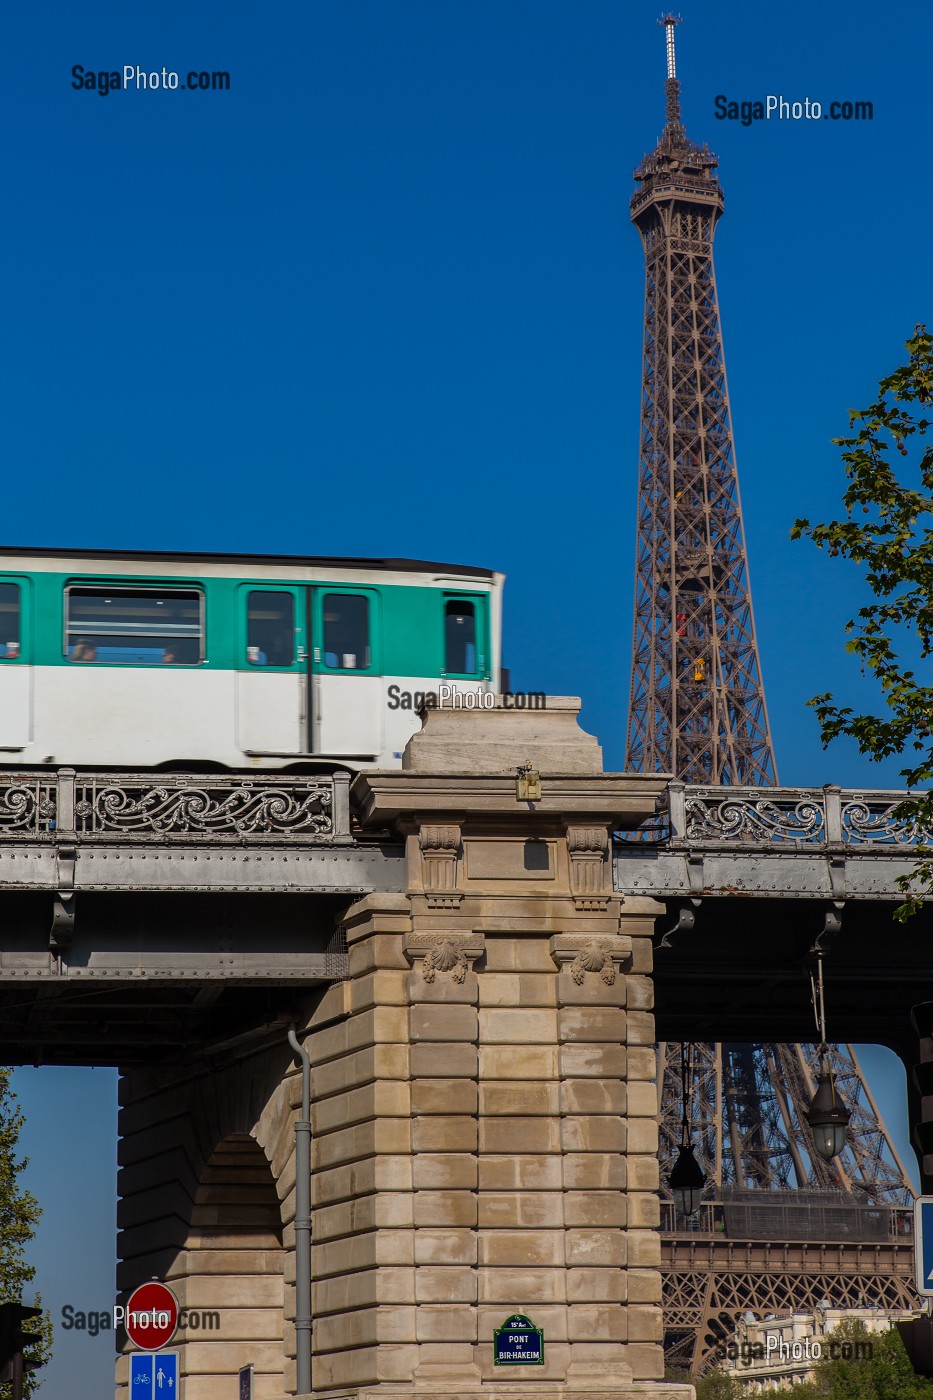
<point>672,86</point>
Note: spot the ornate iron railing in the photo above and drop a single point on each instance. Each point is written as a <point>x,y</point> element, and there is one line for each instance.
<point>787,818</point>
<point>166,808</point>
<point>710,1221</point>
<point>27,805</point>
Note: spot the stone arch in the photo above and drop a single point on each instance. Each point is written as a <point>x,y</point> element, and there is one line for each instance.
<point>190,1138</point>
<point>231,1275</point>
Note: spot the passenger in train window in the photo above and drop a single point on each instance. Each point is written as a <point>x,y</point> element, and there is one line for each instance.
<point>83,650</point>
<point>181,651</point>
<point>9,621</point>
<point>281,647</point>
<point>346,632</point>
<point>270,628</point>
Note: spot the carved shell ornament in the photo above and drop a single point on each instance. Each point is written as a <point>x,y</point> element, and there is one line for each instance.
<point>593,958</point>
<point>444,957</point>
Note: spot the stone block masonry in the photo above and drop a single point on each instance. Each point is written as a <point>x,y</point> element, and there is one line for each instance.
<point>484,1109</point>
<point>485,1128</point>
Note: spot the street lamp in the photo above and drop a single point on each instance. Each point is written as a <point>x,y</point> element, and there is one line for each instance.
<point>687,1180</point>
<point>827,1115</point>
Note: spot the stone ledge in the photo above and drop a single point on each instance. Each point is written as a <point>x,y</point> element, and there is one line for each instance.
<point>505,1390</point>
<point>495,740</point>
<point>509,1390</point>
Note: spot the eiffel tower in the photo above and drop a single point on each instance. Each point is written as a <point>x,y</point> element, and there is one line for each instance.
<point>780,1229</point>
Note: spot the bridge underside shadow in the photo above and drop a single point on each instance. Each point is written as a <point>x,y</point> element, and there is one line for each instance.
<point>742,972</point>
<point>162,979</point>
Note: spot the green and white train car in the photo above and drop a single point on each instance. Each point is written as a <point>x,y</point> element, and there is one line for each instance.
<point>242,661</point>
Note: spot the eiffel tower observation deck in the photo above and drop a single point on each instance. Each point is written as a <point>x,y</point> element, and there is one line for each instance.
<point>779,1228</point>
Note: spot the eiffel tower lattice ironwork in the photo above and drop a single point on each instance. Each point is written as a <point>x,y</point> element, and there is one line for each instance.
<point>780,1229</point>
<point>697,702</point>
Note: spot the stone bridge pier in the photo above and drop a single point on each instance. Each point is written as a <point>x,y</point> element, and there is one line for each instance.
<point>484,1106</point>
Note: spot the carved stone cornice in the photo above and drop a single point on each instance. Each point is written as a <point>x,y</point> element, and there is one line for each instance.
<point>586,954</point>
<point>590,875</point>
<point>403,799</point>
<point>450,954</point>
<point>440,853</point>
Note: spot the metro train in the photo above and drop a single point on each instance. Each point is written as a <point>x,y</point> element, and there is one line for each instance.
<point>157,660</point>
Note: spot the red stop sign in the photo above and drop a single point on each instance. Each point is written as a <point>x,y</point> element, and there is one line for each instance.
<point>151,1316</point>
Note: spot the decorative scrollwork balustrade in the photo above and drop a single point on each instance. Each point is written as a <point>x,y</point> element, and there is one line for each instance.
<point>794,818</point>
<point>878,819</point>
<point>788,819</point>
<point>27,805</point>
<point>747,816</point>
<point>162,808</point>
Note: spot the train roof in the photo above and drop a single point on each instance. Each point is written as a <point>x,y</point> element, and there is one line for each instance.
<point>416,566</point>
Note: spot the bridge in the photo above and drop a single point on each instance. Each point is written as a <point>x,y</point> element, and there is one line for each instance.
<point>137,895</point>
<point>752,879</point>
<point>478,953</point>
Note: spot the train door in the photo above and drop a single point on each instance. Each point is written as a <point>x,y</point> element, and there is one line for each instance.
<point>348,705</point>
<point>272,669</point>
<point>15,665</point>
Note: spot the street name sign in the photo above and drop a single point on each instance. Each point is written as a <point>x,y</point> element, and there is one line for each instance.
<point>923,1244</point>
<point>518,1342</point>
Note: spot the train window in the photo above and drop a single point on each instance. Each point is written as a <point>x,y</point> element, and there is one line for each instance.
<point>459,638</point>
<point>9,621</point>
<point>270,629</point>
<point>134,626</point>
<point>346,631</point>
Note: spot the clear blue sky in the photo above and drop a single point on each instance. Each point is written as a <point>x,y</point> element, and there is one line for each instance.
<point>383,297</point>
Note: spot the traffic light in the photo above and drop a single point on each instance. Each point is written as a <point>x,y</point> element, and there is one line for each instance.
<point>917,1336</point>
<point>17,1335</point>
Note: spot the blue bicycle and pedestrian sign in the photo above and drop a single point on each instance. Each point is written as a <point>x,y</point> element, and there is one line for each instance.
<point>154,1375</point>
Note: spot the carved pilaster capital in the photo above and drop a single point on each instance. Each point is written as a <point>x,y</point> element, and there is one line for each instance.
<point>437,840</point>
<point>440,853</point>
<point>583,954</point>
<point>587,840</point>
<point>452,954</point>
<point>590,882</point>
